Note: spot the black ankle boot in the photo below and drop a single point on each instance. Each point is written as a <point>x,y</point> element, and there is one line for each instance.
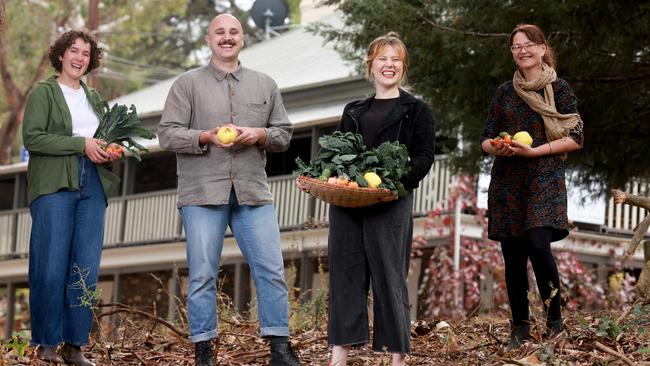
<point>518,335</point>
<point>49,354</point>
<point>554,328</point>
<point>72,355</point>
<point>203,355</point>
<point>282,355</point>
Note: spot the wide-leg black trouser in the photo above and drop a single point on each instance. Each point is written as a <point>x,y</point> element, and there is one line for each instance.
<point>370,245</point>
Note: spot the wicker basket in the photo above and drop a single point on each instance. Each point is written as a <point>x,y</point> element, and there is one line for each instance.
<point>345,196</point>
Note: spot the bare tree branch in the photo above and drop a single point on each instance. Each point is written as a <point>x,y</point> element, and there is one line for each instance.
<point>423,17</point>
<point>612,79</point>
<point>641,229</point>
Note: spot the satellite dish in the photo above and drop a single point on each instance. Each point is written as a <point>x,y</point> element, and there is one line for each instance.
<point>276,11</point>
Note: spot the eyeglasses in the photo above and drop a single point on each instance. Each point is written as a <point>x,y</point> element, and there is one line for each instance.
<point>516,48</point>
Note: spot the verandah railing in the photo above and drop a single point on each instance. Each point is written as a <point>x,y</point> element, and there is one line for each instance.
<point>153,217</point>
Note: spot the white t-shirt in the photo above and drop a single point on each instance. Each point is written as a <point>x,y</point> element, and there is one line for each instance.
<point>84,118</point>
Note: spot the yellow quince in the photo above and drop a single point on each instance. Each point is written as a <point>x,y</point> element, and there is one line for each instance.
<point>523,137</point>
<point>373,179</point>
<point>227,135</point>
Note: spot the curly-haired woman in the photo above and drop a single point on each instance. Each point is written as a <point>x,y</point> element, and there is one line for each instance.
<point>68,185</point>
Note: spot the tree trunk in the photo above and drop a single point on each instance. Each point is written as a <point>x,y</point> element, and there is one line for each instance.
<point>2,16</point>
<point>15,97</point>
<point>8,135</point>
<point>643,286</point>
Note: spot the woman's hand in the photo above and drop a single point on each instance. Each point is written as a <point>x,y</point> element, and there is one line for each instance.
<point>524,150</point>
<point>93,150</point>
<point>300,186</point>
<point>497,148</point>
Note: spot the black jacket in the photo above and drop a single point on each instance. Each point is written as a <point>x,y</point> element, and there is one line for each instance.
<point>411,122</point>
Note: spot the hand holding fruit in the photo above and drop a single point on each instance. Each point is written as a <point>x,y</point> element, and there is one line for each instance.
<point>219,136</point>
<point>250,135</point>
<point>519,144</point>
<point>114,151</point>
<point>501,145</point>
<point>93,149</point>
<point>227,135</point>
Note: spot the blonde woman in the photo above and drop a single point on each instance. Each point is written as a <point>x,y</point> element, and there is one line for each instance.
<point>372,245</point>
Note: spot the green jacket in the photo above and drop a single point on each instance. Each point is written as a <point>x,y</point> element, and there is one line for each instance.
<point>53,151</point>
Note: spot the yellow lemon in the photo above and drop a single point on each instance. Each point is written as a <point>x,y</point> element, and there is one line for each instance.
<point>227,135</point>
<point>373,179</point>
<point>523,137</point>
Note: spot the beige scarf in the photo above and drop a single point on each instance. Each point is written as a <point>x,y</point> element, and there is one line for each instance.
<point>556,125</point>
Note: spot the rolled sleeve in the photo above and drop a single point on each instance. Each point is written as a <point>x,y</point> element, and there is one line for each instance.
<point>279,130</point>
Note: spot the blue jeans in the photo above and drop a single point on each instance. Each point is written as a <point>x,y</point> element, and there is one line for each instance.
<point>65,246</point>
<point>258,236</point>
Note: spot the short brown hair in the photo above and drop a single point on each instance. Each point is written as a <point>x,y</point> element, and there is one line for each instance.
<point>66,40</point>
<point>535,34</point>
<point>379,44</point>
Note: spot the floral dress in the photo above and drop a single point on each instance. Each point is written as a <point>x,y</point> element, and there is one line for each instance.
<point>527,192</point>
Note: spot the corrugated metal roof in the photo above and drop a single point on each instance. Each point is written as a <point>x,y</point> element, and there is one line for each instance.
<point>294,59</point>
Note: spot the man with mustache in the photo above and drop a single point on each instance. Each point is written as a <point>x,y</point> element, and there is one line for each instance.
<point>224,184</point>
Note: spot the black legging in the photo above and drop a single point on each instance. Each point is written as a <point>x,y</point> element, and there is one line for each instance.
<point>535,245</point>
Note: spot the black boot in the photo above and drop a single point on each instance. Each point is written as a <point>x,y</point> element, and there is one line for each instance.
<point>49,354</point>
<point>518,336</point>
<point>554,328</point>
<point>72,355</point>
<point>282,355</point>
<point>203,355</point>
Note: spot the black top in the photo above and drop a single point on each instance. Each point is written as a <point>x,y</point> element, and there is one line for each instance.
<point>410,122</point>
<point>372,120</point>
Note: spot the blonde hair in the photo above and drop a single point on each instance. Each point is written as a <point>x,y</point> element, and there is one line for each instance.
<point>377,46</point>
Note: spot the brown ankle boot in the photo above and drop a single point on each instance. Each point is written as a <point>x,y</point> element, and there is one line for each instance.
<point>72,355</point>
<point>49,354</point>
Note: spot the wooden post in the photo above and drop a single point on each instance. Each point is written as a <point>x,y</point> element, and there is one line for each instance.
<point>646,251</point>
<point>93,26</point>
<point>172,289</point>
<point>11,310</point>
<point>306,275</point>
<point>487,291</point>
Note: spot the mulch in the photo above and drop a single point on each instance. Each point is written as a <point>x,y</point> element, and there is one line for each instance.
<point>599,338</point>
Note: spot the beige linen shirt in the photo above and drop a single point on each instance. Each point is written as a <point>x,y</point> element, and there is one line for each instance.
<point>204,98</point>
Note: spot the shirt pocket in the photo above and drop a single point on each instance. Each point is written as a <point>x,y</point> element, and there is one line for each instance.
<point>258,114</point>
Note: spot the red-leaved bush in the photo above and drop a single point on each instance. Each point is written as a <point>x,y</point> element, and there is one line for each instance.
<point>445,292</point>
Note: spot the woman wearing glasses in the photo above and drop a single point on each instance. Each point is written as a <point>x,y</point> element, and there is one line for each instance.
<point>527,198</point>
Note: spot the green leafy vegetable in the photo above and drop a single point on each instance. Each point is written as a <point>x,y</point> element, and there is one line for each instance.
<point>120,125</point>
<point>344,154</point>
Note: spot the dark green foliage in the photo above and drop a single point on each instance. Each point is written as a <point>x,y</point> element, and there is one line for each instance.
<point>344,155</point>
<point>120,125</point>
<point>459,55</point>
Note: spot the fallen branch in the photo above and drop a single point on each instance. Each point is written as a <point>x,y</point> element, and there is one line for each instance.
<point>611,352</point>
<point>138,357</point>
<point>624,315</point>
<point>121,308</point>
<point>621,197</point>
